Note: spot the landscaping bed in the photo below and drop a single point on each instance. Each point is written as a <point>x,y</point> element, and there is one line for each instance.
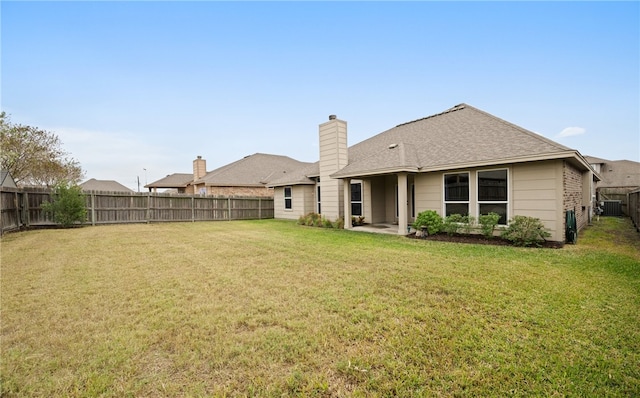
<point>480,240</point>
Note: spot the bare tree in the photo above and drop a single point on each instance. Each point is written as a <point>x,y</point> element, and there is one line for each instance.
<point>34,156</point>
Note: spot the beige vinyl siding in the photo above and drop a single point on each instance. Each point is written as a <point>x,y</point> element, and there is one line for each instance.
<point>537,192</point>
<point>534,190</point>
<point>377,206</point>
<point>391,182</point>
<point>302,202</point>
<point>333,157</point>
<point>428,192</point>
<point>332,199</point>
<point>366,201</point>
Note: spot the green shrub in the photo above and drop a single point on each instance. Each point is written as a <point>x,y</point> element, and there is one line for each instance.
<point>317,220</point>
<point>429,219</point>
<point>338,223</point>
<point>488,223</point>
<point>452,223</point>
<point>327,223</point>
<point>67,206</point>
<point>525,231</point>
<point>467,224</point>
<point>310,220</point>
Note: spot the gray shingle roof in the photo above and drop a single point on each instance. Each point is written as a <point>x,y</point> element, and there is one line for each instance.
<point>301,176</point>
<point>6,180</point>
<point>462,136</point>
<point>256,170</point>
<point>104,185</point>
<point>175,180</point>
<point>617,173</point>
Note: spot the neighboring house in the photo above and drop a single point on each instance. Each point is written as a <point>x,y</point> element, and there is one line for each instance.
<point>104,185</point>
<point>178,182</point>
<point>6,180</point>
<point>462,160</point>
<point>248,176</point>
<point>618,178</point>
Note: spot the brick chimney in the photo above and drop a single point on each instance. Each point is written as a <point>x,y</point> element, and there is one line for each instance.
<point>333,157</point>
<point>199,168</point>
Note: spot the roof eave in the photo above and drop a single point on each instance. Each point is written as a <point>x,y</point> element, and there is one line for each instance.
<point>288,183</point>
<point>373,172</point>
<point>231,184</point>
<point>572,155</point>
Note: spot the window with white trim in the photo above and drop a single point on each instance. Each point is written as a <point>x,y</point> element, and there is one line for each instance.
<point>356,199</point>
<point>492,193</point>
<point>456,194</point>
<point>287,198</point>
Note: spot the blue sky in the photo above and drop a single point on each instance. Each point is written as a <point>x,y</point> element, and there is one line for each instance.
<point>130,86</point>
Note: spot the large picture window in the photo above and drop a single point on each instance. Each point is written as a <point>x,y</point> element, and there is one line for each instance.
<point>287,198</point>
<point>456,194</point>
<point>356,199</point>
<point>492,193</point>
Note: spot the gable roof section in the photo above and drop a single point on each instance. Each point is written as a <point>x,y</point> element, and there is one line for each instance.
<point>255,170</point>
<point>175,180</point>
<point>103,185</point>
<point>6,180</point>
<point>460,137</point>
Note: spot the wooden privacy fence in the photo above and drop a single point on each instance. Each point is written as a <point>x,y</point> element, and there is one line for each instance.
<point>634,208</point>
<point>22,208</point>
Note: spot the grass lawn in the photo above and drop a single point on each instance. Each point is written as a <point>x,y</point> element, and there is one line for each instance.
<point>270,308</point>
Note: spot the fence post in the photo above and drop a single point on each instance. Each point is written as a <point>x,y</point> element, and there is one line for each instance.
<point>148,215</point>
<point>26,210</point>
<point>259,208</point>
<point>17,204</point>
<point>228,208</point>
<point>193,209</point>
<point>93,208</point>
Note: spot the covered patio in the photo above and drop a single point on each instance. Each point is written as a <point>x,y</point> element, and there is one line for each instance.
<point>381,228</point>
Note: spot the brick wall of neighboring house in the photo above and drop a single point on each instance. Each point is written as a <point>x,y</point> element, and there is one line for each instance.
<point>573,193</point>
<point>241,191</point>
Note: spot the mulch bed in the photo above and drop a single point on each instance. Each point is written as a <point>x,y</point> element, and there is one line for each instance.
<point>480,240</point>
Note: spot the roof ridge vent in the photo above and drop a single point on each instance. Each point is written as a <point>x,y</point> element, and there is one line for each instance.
<point>455,108</point>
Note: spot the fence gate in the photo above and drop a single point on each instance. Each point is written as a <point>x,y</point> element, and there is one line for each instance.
<point>612,208</point>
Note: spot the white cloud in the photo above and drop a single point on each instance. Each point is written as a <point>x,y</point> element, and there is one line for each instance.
<point>571,131</point>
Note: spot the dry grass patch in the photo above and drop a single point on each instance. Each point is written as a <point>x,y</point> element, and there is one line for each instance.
<point>269,308</point>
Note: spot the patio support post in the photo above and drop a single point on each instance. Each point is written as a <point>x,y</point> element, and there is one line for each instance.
<point>347,202</point>
<point>403,218</point>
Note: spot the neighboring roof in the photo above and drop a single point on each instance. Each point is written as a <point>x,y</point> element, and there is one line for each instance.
<point>617,173</point>
<point>175,180</point>
<point>6,180</point>
<point>104,185</point>
<point>255,170</point>
<point>595,160</point>
<point>460,137</point>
